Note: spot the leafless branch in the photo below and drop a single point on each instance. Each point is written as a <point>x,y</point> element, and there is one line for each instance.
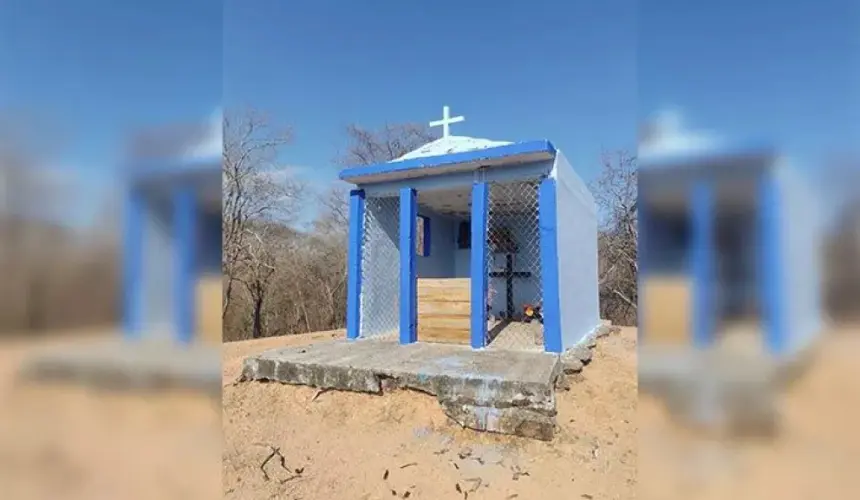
<point>615,192</point>
<point>366,147</point>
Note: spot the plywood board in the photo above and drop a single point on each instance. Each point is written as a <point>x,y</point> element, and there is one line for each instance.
<point>445,289</point>
<point>209,298</point>
<point>666,302</point>
<point>444,310</point>
<point>447,307</point>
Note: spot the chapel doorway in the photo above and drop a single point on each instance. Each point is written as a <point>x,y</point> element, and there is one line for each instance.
<point>514,291</point>
<point>737,276</point>
<point>443,253</point>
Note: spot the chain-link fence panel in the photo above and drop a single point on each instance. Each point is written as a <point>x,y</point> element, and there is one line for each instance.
<point>514,293</point>
<point>380,268</point>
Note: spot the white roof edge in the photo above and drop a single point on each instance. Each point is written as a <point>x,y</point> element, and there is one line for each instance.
<point>465,166</point>
<point>449,145</point>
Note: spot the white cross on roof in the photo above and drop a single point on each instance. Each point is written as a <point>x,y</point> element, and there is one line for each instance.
<point>446,121</point>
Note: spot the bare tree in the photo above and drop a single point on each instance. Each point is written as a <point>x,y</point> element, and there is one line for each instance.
<point>366,147</point>
<point>30,235</point>
<point>45,263</point>
<point>841,249</point>
<point>330,241</point>
<point>259,267</point>
<point>615,192</point>
<point>254,187</point>
<point>295,276</point>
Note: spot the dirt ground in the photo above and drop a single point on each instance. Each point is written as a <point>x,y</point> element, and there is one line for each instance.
<point>66,442</point>
<point>609,446</point>
<point>62,441</point>
<point>817,454</point>
<point>401,445</point>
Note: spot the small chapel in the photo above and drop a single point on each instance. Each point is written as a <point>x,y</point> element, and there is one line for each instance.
<point>730,246</point>
<point>172,236</point>
<point>472,241</point>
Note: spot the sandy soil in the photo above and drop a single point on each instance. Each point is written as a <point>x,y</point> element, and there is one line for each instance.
<point>817,455</point>
<point>61,441</point>
<point>66,442</point>
<point>401,445</point>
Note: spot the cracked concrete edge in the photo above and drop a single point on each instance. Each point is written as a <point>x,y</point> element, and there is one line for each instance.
<point>523,422</point>
<point>718,391</point>
<point>109,377</point>
<point>796,366</point>
<point>601,331</point>
<point>526,410</point>
<point>375,382</point>
<point>575,363</point>
<point>659,366</point>
<point>309,374</point>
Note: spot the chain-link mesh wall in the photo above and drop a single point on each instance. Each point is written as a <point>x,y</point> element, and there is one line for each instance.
<point>380,268</point>
<point>514,292</point>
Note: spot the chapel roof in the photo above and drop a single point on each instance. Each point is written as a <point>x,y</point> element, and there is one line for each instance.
<point>178,150</point>
<point>665,144</point>
<point>451,144</point>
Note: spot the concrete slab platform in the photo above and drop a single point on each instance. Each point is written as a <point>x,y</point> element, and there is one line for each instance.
<point>510,392</point>
<point>121,365</point>
<point>721,390</point>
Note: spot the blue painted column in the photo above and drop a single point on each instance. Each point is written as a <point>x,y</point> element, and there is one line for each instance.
<point>703,263</point>
<point>548,224</point>
<point>185,253</point>
<point>354,251</point>
<point>133,271</point>
<point>478,265</point>
<point>408,278</point>
<point>770,264</point>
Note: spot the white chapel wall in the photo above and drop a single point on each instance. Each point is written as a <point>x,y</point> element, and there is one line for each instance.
<point>577,254</point>
<point>800,267</point>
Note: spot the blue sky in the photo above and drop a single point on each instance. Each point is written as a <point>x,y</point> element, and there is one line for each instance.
<point>770,70</point>
<point>560,71</point>
<point>96,69</point>
<point>581,74</point>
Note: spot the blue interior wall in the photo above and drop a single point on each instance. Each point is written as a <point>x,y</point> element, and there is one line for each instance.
<point>462,260</point>
<point>668,241</point>
<point>737,267</point>
<point>209,243</point>
<point>443,231</point>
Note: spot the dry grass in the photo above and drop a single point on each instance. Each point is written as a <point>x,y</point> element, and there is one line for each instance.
<point>344,443</point>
